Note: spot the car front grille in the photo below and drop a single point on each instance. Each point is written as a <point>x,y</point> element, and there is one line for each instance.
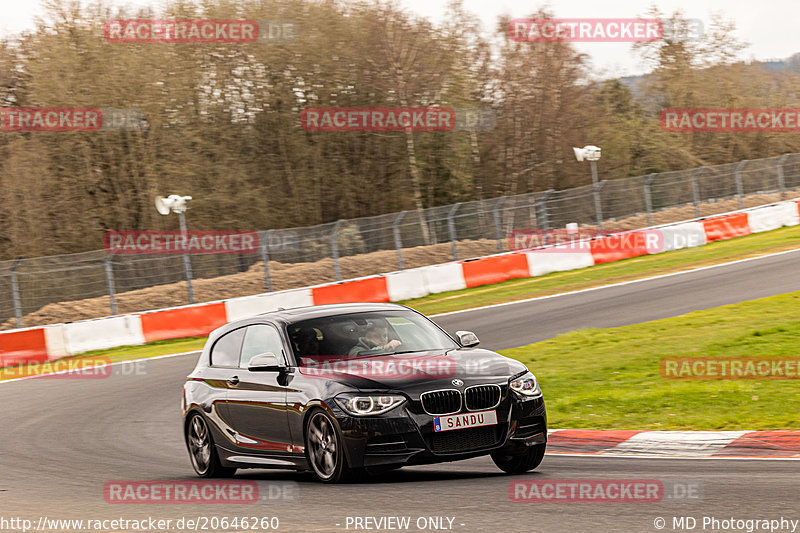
<point>482,397</point>
<point>464,440</point>
<point>441,402</point>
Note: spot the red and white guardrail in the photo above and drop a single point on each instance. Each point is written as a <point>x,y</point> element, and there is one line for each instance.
<point>59,340</point>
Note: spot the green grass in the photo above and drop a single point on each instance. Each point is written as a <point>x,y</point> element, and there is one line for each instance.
<point>629,269</point>
<point>611,378</point>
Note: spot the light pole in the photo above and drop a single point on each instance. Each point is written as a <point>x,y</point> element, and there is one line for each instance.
<point>592,154</point>
<point>179,204</point>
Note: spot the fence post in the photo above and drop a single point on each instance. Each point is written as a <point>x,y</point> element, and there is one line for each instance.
<point>739,188</point>
<point>110,283</point>
<point>15,291</point>
<point>648,198</point>
<point>265,258</point>
<point>498,229</point>
<point>696,191</point>
<point>398,242</point>
<point>781,181</point>
<point>598,209</point>
<point>187,264</point>
<point>335,250</point>
<point>452,227</point>
<point>543,216</point>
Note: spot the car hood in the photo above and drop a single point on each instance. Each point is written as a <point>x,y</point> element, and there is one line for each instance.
<point>415,372</point>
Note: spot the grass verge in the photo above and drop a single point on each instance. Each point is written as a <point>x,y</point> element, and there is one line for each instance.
<point>611,378</point>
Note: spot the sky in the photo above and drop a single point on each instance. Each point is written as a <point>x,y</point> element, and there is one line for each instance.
<point>769,26</point>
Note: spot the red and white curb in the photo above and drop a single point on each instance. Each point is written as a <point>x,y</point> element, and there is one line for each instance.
<point>778,444</point>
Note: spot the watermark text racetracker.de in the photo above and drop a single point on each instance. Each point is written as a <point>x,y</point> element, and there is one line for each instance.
<point>150,523</point>
<point>96,367</point>
<point>177,242</point>
<point>200,31</point>
<point>731,120</point>
<point>397,119</point>
<point>603,30</point>
<point>71,119</point>
<point>229,492</point>
<point>729,523</point>
<point>604,491</point>
<point>730,368</point>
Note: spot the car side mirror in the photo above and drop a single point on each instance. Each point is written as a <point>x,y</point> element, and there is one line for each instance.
<point>264,362</point>
<point>467,339</point>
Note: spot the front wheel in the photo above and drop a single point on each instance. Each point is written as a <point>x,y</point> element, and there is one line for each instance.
<point>514,462</point>
<point>202,451</point>
<point>325,449</point>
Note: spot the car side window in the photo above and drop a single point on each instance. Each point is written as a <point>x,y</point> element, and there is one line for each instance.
<point>225,352</point>
<point>260,338</point>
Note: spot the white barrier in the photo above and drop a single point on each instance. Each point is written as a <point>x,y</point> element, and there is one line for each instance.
<point>406,284</point>
<point>102,333</point>
<point>247,306</point>
<point>686,235</point>
<point>545,262</point>
<point>56,344</point>
<point>773,217</point>
<point>443,278</point>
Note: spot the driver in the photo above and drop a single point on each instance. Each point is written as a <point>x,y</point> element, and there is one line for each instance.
<point>375,340</point>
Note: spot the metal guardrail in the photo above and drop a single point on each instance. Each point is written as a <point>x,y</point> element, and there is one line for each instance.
<point>26,285</point>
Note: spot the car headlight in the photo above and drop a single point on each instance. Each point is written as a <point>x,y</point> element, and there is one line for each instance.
<point>525,384</point>
<point>368,404</point>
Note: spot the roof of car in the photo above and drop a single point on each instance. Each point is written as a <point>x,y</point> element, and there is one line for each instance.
<point>316,311</point>
<point>298,314</point>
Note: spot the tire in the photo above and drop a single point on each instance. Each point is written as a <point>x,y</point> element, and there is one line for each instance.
<point>325,449</point>
<point>202,451</point>
<point>519,463</point>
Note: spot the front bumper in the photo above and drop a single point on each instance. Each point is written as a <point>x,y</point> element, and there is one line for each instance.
<point>405,435</point>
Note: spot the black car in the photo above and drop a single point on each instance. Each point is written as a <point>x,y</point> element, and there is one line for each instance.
<point>353,388</point>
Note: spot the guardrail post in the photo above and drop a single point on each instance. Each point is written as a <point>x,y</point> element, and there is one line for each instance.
<point>598,210</point>
<point>498,226</point>
<point>781,181</point>
<point>187,264</point>
<point>739,189</point>
<point>15,291</point>
<point>696,191</point>
<point>544,219</point>
<point>265,258</point>
<point>335,250</point>
<point>452,227</point>
<point>110,283</point>
<point>398,241</point>
<point>648,199</point>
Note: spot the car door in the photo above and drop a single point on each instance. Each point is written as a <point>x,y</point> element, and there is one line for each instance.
<point>223,366</point>
<point>257,399</point>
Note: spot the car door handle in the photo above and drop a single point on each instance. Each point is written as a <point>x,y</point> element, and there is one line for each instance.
<point>233,381</point>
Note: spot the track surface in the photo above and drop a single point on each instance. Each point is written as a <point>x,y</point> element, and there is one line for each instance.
<point>63,439</point>
<point>509,326</point>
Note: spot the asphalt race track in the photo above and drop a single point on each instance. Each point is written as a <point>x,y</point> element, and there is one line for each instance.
<point>509,326</point>
<point>62,440</point>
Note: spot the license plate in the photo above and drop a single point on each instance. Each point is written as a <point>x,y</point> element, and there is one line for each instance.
<point>465,420</point>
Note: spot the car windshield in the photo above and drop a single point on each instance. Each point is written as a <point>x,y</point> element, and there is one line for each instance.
<point>367,334</point>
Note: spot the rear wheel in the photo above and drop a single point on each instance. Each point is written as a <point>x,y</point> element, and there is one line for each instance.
<point>202,451</point>
<point>519,461</point>
<point>325,449</point>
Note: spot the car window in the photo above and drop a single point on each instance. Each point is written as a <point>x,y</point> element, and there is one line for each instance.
<point>356,334</point>
<point>225,351</point>
<point>260,338</point>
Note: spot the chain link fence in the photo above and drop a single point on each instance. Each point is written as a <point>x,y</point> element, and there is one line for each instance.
<point>406,239</point>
